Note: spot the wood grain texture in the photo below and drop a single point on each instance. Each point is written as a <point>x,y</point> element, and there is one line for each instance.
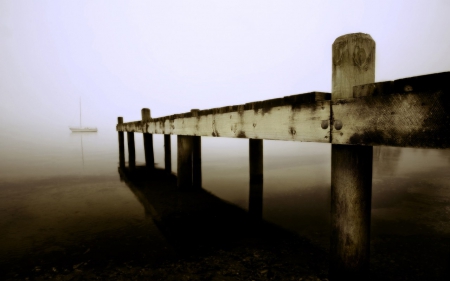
<point>351,195</point>
<point>411,112</point>
<point>297,118</point>
<point>408,112</point>
<point>353,63</point>
<point>351,166</point>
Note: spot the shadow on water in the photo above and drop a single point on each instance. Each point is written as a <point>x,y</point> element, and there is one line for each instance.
<point>203,238</point>
<point>218,240</point>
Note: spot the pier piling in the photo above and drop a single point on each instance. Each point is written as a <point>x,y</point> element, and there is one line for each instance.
<point>351,165</point>
<point>255,204</point>
<point>148,140</point>
<point>167,154</point>
<point>131,150</point>
<point>196,157</point>
<point>121,144</point>
<point>184,167</point>
<point>197,162</point>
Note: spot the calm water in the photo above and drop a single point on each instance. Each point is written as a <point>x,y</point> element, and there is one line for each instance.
<point>62,189</point>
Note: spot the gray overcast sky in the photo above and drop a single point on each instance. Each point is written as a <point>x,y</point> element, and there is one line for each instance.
<point>172,56</point>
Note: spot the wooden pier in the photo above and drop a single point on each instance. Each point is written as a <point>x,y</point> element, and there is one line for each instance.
<point>357,115</point>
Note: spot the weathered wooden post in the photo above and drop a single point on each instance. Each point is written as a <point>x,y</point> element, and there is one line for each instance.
<point>131,150</point>
<point>255,204</point>
<point>167,154</point>
<point>121,144</point>
<point>184,165</point>
<point>196,157</point>
<point>351,165</point>
<point>148,140</point>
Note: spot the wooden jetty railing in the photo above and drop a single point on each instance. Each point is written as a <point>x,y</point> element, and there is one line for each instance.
<point>410,112</point>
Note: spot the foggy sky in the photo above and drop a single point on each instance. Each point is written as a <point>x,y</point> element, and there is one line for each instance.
<point>172,56</point>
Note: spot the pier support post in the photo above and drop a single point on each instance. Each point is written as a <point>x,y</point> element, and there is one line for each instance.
<point>197,162</point>
<point>255,204</point>
<point>148,140</point>
<point>167,154</point>
<point>131,150</point>
<point>121,144</point>
<point>196,157</point>
<point>351,165</point>
<point>184,165</point>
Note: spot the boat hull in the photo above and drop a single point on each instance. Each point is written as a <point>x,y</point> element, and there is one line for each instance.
<point>80,130</point>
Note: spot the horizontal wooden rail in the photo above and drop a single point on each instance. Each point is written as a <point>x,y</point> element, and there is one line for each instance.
<point>298,118</point>
<point>410,112</point>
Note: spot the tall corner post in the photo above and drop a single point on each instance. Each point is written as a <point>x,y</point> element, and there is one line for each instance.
<point>351,165</point>
<point>148,139</point>
<point>121,142</point>
<point>255,202</point>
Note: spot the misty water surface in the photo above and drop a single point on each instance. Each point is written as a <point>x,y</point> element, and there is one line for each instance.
<point>62,188</point>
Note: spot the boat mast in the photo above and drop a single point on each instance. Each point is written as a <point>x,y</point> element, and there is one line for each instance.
<point>80,112</point>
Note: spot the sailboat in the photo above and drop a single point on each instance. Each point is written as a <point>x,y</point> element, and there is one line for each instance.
<point>81,129</point>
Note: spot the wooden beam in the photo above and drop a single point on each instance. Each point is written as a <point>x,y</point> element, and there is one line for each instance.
<point>297,118</point>
<point>411,112</point>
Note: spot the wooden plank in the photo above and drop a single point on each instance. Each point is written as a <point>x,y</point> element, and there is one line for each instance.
<point>411,112</point>
<point>296,118</point>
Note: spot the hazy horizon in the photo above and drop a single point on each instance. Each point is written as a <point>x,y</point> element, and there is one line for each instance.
<point>172,56</point>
